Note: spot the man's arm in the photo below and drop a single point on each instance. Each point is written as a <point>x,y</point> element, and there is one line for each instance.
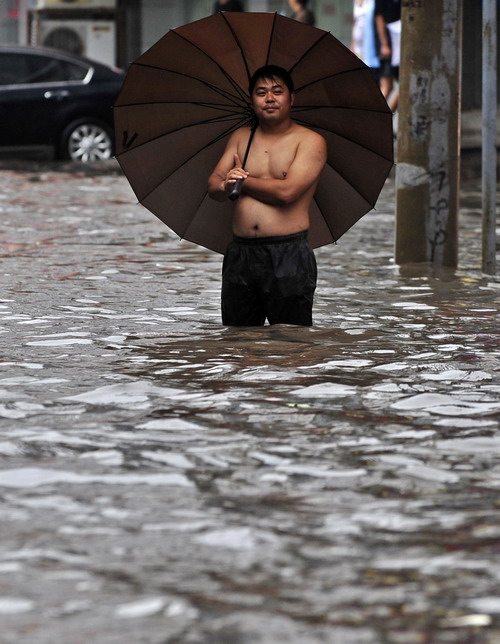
<point>381,27</point>
<point>220,183</point>
<point>385,48</point>
<point>301,175</point>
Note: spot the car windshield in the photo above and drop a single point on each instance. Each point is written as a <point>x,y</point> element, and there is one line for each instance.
<point>24,68</point>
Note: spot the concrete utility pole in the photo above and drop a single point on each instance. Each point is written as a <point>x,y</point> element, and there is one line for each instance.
<point>428,169</point>
<point>489,122</point>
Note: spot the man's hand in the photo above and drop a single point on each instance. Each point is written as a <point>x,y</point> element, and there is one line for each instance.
<point>228,170</point>
<point>385,51</point>
<point>234,174</point>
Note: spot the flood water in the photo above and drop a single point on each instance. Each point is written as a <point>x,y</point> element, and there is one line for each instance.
<point>167,479</point>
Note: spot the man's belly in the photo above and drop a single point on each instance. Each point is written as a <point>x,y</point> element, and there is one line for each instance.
<point>252,218</point>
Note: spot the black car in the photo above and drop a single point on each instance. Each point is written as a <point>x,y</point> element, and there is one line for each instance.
<point>50,98</point>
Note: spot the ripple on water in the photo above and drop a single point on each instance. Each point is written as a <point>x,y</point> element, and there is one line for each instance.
<point>31,477</point>
<point>445,405</point>
<point>15,605</point>
<point>127,393</point>
<point>297,484</point>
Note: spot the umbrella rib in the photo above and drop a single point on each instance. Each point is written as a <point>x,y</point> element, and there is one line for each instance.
<point>306,53</point>
<point>324,78</point>
<point>235,97</point>
<point>324,219</point>
<point>229,109</point>
<point>236,40</point>
<point>271,38</point>
<point>239,90</point>
<point>185,127</point>
<point>186,229</point>
<point>372,205</point>
<point>362,67</point>
<point>207,145</point>
<point>356,190</point>
<point>346,138</point>
<point>310,108</point>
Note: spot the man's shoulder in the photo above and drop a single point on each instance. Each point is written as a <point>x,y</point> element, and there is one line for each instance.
<point>240,134</point>
<point>238,138</point>
<point>305,133</point>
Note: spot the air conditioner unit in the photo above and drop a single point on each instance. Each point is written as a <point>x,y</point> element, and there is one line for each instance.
<point>95,39</point>
<point>75,4</point>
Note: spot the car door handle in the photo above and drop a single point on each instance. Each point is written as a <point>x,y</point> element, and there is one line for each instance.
<point>58,94</point>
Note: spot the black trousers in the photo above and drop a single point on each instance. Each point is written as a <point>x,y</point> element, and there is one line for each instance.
<point>268,277</point>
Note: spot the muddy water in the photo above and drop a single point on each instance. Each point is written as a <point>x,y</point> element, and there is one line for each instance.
<point>166,479</point>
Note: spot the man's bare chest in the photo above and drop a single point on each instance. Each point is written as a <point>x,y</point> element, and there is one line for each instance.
<point>271,159</point>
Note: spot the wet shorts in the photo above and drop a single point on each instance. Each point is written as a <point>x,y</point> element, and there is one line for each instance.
<point>268,277</point>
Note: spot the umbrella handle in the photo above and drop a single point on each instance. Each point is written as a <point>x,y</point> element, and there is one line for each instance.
<point>236,191</point>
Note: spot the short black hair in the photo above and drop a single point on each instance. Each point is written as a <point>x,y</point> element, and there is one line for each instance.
<point>272,72</point>
<point>303,2</point>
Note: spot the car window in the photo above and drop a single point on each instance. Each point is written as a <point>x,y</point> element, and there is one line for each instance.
<point>13,68</point>
<point>75,72</point>
<point>21,69</point>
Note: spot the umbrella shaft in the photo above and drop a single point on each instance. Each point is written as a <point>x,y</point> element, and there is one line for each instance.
<point>236,191</point>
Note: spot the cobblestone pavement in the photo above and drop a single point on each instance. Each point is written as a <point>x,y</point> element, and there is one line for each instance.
<point>166,479</point>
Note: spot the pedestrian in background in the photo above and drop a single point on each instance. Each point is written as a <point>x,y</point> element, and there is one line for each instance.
<point>301,12</point>
<point>388,24</point>
<point>364,39</point>
<point>227,5</point>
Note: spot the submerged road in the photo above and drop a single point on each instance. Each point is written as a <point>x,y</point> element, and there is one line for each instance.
<point>167,479</point>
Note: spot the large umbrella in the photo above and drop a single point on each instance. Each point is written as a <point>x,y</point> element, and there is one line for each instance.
<point>184,97</point>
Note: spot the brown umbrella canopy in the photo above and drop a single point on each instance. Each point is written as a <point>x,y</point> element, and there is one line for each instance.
<point>184,97</point>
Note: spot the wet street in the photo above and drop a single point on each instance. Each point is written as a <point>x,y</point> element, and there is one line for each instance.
<point>166,479</point>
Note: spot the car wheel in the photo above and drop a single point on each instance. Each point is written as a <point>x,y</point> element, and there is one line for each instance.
<point>86,140</point>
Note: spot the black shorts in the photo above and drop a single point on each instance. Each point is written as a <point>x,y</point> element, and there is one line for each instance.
<point>268,277</point>
<point>387,70</point>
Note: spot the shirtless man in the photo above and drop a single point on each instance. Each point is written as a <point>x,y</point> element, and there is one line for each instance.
<point>269,269</point>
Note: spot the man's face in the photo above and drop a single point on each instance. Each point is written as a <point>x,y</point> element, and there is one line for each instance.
<point>271,100</point>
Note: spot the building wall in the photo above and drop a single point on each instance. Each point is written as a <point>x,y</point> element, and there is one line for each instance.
<point>335,16</point>
<point>9,21</point>
<point>157,17</point>
<point>142,22</point>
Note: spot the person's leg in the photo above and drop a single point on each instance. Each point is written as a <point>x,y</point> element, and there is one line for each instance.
<point>386,78</point>
<point>394,97</point>
<point>240,301</point>
<point>291,281</point>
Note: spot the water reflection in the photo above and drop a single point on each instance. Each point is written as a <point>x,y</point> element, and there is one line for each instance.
<point>209,484</point>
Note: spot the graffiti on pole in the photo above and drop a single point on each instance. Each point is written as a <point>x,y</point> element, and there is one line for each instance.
<point>410,5</point>
<point>439,234</point>
<point>439,203</point>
